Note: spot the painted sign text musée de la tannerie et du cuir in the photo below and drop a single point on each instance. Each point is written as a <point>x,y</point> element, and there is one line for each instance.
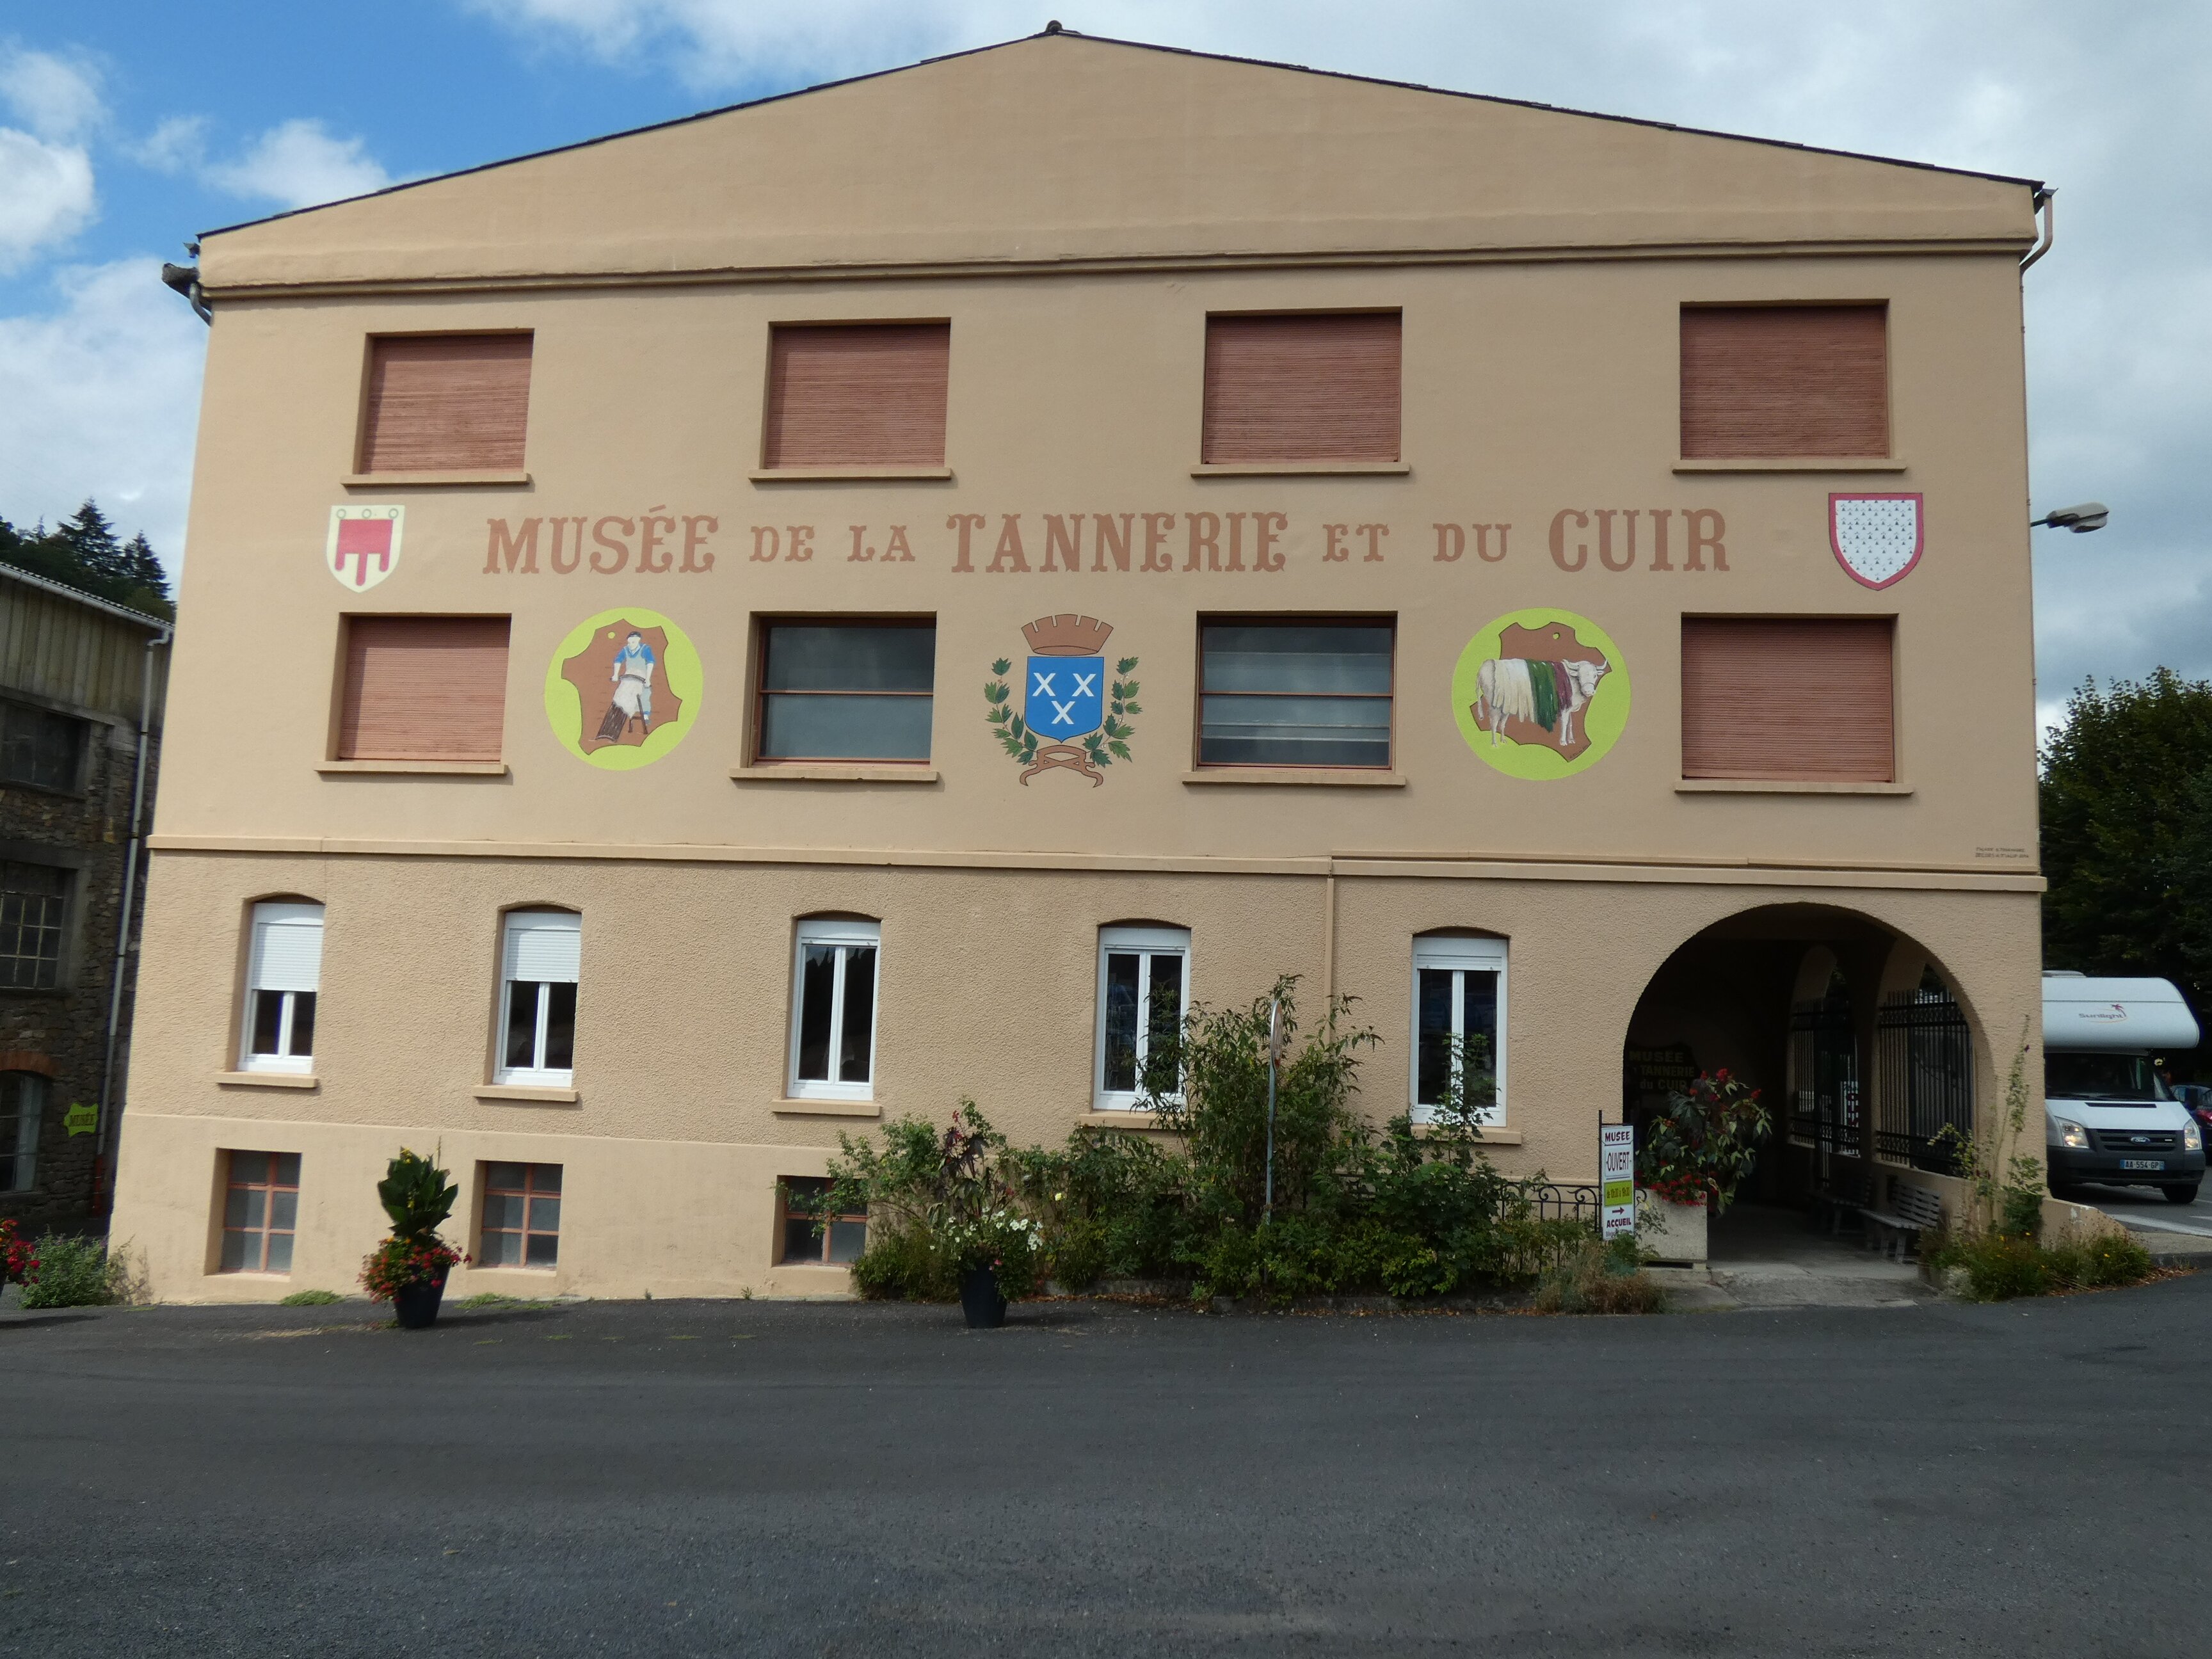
<point>660,542</point>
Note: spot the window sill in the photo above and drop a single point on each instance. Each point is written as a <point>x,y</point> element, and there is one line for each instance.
<point>850,474</point>
<point>413,767</point>
<point>826,1108</point>
<point>1299,469</point>
<point>1795,464</point>
<point>1340,777</point>
<point>835,772</point>
<point>1121,1118</point>
<point>414,480</point>
<point>268,1080</point>
<point>1493,1134</point>
<point>541,1094</point>
<point>1785,787</point>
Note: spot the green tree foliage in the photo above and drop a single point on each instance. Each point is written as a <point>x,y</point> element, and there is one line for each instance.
<point>85,552</point>
<point>2127,832</point>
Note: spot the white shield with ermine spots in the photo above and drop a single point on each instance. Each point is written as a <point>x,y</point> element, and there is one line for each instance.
<point>1876,539</point>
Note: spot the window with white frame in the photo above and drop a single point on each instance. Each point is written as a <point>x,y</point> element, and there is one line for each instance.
<point>833,1010</point>
<point>537,998</point>
<point>283,972</point>
<point>1459,1026</point>
<point>1144,990</point>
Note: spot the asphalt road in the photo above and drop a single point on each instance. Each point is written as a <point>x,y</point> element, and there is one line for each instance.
<point>678,1478</point>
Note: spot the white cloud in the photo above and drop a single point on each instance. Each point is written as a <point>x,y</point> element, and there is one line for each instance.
<point>98,397</point>
<point>55,98</point>
<point>47,195</point>
<point>300,164</point>
<point>177,145</point>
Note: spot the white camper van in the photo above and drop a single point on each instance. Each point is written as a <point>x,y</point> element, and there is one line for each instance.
<point>2108,1117</point>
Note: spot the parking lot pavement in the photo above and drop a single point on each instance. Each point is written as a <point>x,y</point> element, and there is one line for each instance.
<point>754,1478</point>
<point>2162,1227</point>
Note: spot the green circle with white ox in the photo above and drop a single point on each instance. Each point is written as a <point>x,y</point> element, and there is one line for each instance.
<point>1540,693</point>
<point>622,688</point>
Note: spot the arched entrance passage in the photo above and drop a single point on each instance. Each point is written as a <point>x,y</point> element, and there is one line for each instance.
<point>1850,1030</point>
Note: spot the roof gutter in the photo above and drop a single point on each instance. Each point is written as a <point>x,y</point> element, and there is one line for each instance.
<point>132,856</point>
<point>2044,193</point>
<point>185,279</point>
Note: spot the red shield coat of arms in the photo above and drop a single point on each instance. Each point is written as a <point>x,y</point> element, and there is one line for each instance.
<point>363,547</point>
<point>1876,539</point>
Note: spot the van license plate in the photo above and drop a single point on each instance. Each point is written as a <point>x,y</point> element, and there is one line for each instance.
<point>2142,1164</point>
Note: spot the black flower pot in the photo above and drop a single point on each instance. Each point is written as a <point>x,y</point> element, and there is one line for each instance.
<point>981,1301</point>
<point>417,1304</point>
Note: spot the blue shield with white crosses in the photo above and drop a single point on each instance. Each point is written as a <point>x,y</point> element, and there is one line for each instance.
<point>1066,696</point>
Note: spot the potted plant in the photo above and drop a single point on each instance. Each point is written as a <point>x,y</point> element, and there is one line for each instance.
<point>977,1218</point>
<point>408,1269</point>
<point>1694,1155</point>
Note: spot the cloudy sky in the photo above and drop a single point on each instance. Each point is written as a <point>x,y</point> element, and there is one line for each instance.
<point>128,125</point>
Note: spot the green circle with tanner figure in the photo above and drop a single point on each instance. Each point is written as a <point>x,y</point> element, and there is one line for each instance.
<point>622,688</point>
<point>1540,693</point>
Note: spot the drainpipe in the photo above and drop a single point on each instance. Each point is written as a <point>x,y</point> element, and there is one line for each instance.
<point>2044,205</point>
<point>131,853</point>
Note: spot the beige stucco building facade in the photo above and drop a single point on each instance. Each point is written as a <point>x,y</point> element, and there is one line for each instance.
<point>1784,807</point>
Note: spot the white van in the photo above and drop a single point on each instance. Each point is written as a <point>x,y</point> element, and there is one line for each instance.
<point>2107,1114</point>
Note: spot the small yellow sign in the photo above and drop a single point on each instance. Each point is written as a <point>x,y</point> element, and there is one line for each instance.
<point>81,1120</point>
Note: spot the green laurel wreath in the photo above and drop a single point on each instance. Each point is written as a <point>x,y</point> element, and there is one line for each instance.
<point>1100,747</point>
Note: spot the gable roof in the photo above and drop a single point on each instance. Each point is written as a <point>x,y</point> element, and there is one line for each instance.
<point>1061,147</point>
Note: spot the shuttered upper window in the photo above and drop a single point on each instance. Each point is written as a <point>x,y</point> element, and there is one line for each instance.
<point>446,403</point>
<point>423,688</point>
<point>1808,699</point>
<point>1779,381</point>
<point>856,394</point>
<point>284,973</point>
<point>1314,387</point>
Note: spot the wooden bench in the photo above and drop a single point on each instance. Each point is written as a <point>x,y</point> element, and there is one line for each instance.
<point>1844,1195</point>
<point>1896,1230</point>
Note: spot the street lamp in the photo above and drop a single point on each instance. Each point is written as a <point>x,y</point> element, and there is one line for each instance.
<point>2088,516</point>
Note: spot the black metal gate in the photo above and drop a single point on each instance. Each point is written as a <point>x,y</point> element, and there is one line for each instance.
<point>1824,1112</point>
<point>1925,1056</point>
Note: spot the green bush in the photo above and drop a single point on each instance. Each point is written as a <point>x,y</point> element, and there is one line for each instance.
<point>311,1299</point>
<point>903,1263</point>
<point>2000,1268</point>
<point>74,1273</point>
<point>1600,1278</point>
<point>2100,1262</point>
<point>938,1203</point>
<point>1407,1212</point>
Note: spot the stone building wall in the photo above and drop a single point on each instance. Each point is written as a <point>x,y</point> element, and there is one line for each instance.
<point>62,1033</point>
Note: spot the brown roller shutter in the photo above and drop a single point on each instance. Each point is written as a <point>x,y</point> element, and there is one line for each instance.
<point>446,403</point>
<point>1809,699</point>
<point>1779,381</point>
<point>423,688</point>
<point>857,394</point>
<point>1307,388</point>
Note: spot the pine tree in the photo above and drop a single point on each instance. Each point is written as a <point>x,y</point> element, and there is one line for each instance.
<point>83,552</point>
<point>142,572</point>
<point>91,537</point>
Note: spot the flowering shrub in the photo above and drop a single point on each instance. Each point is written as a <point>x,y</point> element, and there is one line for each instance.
<point>66,1272</point>
<point>1702,1147</point>
<point>394,1265</point>
<point>16,1259</point>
